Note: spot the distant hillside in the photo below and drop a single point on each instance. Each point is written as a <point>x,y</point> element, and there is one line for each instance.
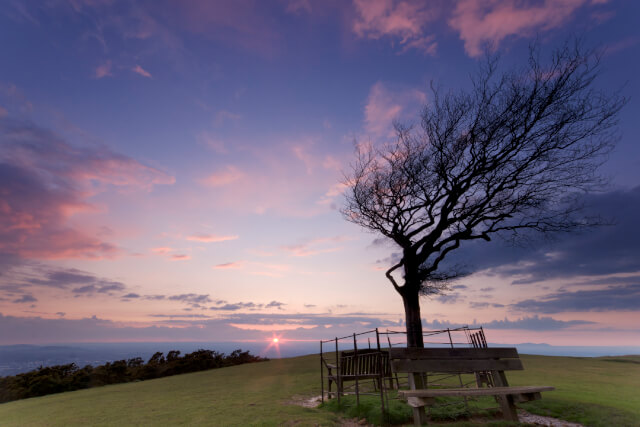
<point>70,377</point>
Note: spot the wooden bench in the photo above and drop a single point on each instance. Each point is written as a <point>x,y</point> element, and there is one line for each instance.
<point>361,365</point>
<point>483,362</point>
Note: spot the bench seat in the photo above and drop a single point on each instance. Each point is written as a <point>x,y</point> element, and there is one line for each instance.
<point>491,391</point>
<point>427,397</point>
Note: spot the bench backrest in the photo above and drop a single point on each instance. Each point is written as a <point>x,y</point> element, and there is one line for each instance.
<point>454,359</point>
<point>364,362</point>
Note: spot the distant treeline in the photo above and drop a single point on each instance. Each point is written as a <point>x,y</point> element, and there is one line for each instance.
<point>60,378</point>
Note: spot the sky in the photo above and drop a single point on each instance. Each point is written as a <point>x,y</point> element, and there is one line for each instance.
<point>173,171</point>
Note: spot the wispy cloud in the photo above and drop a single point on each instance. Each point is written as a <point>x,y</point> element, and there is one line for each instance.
<point>103,70</point>
<point>385,105</point>
<point>489,22</point>
<point>251,306</point>
<point>207,139</point>
<point>237,306</point>
<point>269,269</point>
<point>287,178</point>
<point>403,22</point>
<point>532,323</point>
<point>104,288</point>
<point>221,117</point>
<point>275,304</point>
<point>141,71</point>
<point>613,298</point>
<point>315,246</point>
<point>229,175</point>
<point>298,6</point>
<point>26,298</point>
<point>162,250</point>
<point>228,265</point>
<point>171,253</point>
<point>208,238</point>
<point>334,191</point>
<point>191,298</point>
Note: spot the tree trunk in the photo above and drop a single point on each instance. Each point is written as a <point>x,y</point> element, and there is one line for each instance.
<point>411,300</point>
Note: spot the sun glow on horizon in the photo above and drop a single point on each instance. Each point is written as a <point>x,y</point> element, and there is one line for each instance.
<point>274,344</point>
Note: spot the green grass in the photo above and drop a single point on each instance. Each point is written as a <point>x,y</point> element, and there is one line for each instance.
<point>595,392</point>
<point>252,394</point>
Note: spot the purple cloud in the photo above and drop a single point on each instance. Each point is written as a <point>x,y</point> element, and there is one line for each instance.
<point>44,180</point>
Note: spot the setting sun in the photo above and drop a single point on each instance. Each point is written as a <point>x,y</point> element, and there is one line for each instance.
<point>275,340</point>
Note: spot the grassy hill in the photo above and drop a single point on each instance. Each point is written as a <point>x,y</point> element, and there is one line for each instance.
<point>601,391</point>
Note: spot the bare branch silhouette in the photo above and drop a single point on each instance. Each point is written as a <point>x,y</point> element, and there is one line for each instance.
<point>512,154</point>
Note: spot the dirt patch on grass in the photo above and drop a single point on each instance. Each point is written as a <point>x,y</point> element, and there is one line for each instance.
<point>305,401</point>
<point>539,420</point>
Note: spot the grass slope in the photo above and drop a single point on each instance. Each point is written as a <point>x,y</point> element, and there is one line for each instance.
<point>600,391</point>
<point>594,391</point>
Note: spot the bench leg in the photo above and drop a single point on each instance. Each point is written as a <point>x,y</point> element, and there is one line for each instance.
<point>506,402</point>
<point>419,415</point>
<point>508,408</point>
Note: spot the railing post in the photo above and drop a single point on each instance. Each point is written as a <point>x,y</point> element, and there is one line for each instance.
<point>356,366</point>
<point>338,367</point>
<point>321,375</point>
<point>466,404</point>
<point>381,373</point>
<point>396,375</point>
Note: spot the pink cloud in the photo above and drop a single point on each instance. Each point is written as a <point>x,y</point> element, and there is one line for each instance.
<point>621,45</point>
<point>298,6</point>
<point>167,251</point>
<point>385,105</point>
<point>139,70</point>
<point>44,181</point>
<point>229,175</point>
<point>103,70</point>
<point>330,162</point>
<point>335,190</point>
<point>228,265</point>
<point>287,178</point>
<point>402,21</point>
<point>301,152</point>
<point>315,246</point>
<point>208,140</point>
<point>243,23</point>
<point>223,116</point>
<point>489,22</point>
<point>269,270</point>
<point>207,238</point>
<point>162,250</point>
<point>261,252</point>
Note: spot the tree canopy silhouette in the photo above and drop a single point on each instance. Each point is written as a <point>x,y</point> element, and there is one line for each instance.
<point>511,154</point>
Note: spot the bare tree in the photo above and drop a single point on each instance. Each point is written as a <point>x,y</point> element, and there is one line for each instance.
<point>510,155</point>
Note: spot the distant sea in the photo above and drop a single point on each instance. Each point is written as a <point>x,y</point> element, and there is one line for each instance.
<point>15,359</point>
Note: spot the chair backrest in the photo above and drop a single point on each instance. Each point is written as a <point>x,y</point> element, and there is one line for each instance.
<point>454,359</point>
<point>364,362</point>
